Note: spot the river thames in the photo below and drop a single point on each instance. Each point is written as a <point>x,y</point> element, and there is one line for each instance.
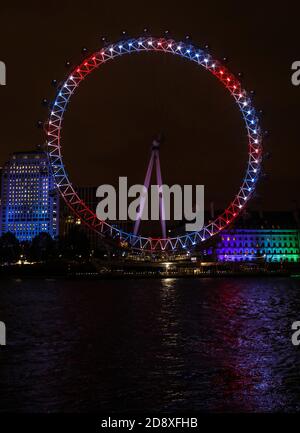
<point>211,345</point>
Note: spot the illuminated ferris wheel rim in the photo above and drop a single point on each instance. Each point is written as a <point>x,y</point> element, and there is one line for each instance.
<point>202,58</point>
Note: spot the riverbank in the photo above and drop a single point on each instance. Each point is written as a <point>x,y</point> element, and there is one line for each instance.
<point>88,271</point>
<point>129,276</point>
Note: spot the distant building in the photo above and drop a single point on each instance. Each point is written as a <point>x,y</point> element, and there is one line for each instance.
<point>68,219</point>
<point>269,237</point>
<point>29,202</point>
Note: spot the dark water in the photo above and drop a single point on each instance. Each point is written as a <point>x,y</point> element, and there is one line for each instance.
<point>151,345</point>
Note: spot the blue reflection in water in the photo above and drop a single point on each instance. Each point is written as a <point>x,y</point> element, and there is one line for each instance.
<point>214,345</point>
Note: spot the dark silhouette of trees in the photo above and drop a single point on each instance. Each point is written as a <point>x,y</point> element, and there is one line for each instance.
<point>9,248</point>
<point>42,247</point>
<point>75,244</point>
<point>25,250</point>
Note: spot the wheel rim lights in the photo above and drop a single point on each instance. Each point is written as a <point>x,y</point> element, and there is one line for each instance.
<point>202,58</point>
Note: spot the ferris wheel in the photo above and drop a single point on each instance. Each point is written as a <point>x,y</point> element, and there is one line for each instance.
<point>165,46</point>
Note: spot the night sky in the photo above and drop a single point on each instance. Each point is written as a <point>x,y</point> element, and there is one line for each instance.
<point>115,114</point>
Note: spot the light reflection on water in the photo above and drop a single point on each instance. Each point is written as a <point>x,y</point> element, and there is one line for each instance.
<point>213,345</point>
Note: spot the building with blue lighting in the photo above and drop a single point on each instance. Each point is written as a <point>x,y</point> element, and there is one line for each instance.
<point>29,201</point>
<point>268,237</point>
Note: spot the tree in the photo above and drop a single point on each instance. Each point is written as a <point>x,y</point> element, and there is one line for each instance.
<point>76,243</point>
<point>9,248</point>
<point>42,247</point>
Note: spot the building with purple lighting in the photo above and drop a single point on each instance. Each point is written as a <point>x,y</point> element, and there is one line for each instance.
<point>268,237</point>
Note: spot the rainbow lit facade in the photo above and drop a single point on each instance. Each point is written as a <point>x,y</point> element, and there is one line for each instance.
<point>28,204</point>
<point>204,60</point>
<point>269,245</point>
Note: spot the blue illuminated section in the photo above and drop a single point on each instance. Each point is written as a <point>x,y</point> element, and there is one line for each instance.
<point>269,245</point>
<point>29,203</point>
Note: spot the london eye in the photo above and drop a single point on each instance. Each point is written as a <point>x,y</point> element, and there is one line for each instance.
<point>191,53</point>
